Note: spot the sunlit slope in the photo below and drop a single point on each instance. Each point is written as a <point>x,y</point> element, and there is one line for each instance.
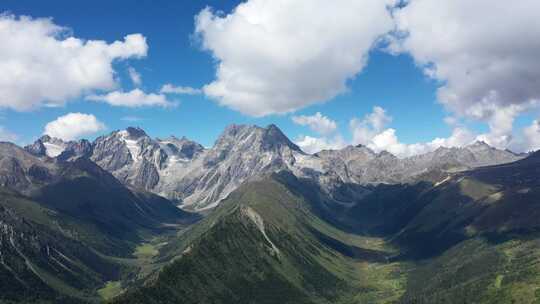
<point>264,245</point>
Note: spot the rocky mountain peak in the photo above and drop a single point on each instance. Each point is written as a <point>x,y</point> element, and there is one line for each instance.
<point>181,169</point>
<point>254,137</point>
<point>386,154</point>
<point>479,145</point>
<point>45,138</point>
<point>240,153</point>
<point>358,152</point>
<point>139,160</point>
<point>182,147</point>
<point>37,148</point>
<point>47,145</point>
<point>273,137</point>
<point>273,127</point>
<point>52,140</point>
<point>362,148</point>
<point>76,149</point>
<point>134,132</point>
<point>235,130</point>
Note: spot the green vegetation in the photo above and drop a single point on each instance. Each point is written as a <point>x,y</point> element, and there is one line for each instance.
<point>476,271</point>
<point>63,244</point>
<point>473,239</point>
<point>291,256</point>
<point>231,260</point>
<point>417,245</point>
<point>111,289</point>
<point>145,251</point>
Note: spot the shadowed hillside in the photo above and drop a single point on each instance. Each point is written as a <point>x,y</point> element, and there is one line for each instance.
<point>68,228</point>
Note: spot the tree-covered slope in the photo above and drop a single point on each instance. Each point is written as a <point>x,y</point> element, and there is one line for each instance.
<point>497,202</point>
<point>262,245</point>
<point>471,238</point>
<point>67,229</point>
<point>40,261</point>
<point>119,216</point>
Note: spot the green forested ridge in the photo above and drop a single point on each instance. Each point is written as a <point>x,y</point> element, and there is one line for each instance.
<point>74,233</point>
<point>233,261</point>
<point>471,239</point>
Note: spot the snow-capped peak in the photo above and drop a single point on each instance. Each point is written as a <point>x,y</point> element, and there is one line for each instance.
<point>53,149</point>
<point>47,145</point>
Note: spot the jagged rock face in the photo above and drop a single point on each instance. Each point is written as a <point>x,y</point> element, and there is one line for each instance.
<point>359,164</point>
<point>240,153</point>
<point>47,146</point>
<point>485,155</point>
<point>57,148</point>
<point>362,166</point>
<point>37,148</point>
<point>76,149</point>
<point>111,153</point>
<point>12,174</point>
<point>146,175</point>
<point>136,159</point>
<point>182,148</point>
<point>183,170</point>
<point>250,140</point>
<point>125,154</point>
<point>457,159</point>
<point>21,170</point>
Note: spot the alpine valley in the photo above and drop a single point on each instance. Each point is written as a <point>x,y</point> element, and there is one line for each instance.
<point>129,219</point>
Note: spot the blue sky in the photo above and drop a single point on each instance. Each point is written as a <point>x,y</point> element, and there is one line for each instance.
<point>391,81</point>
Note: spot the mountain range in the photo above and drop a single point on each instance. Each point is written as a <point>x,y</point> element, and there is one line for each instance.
<point>199,178</point>
<point>128,218</point>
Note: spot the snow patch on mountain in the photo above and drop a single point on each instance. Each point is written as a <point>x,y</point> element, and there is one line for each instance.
<point>131,144</point>
<point>53,150</point>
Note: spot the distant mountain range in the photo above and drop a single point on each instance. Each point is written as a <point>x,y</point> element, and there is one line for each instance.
<point>198,178</point>
<point>261,221</point>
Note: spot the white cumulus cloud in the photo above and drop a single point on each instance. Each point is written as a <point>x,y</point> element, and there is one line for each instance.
<point>43,65</point>
<point>484,52</point>
<point>531,137</point>
<point>325,127</point>
<point>500,123</point>
<point>73,126</point>
<point>372,131</point>
<point>363,130</point>
<point>312,145</point>
<point>387,140</point>
<point>132,99</point>
<point>317,122</point>
<point>279,56</point>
